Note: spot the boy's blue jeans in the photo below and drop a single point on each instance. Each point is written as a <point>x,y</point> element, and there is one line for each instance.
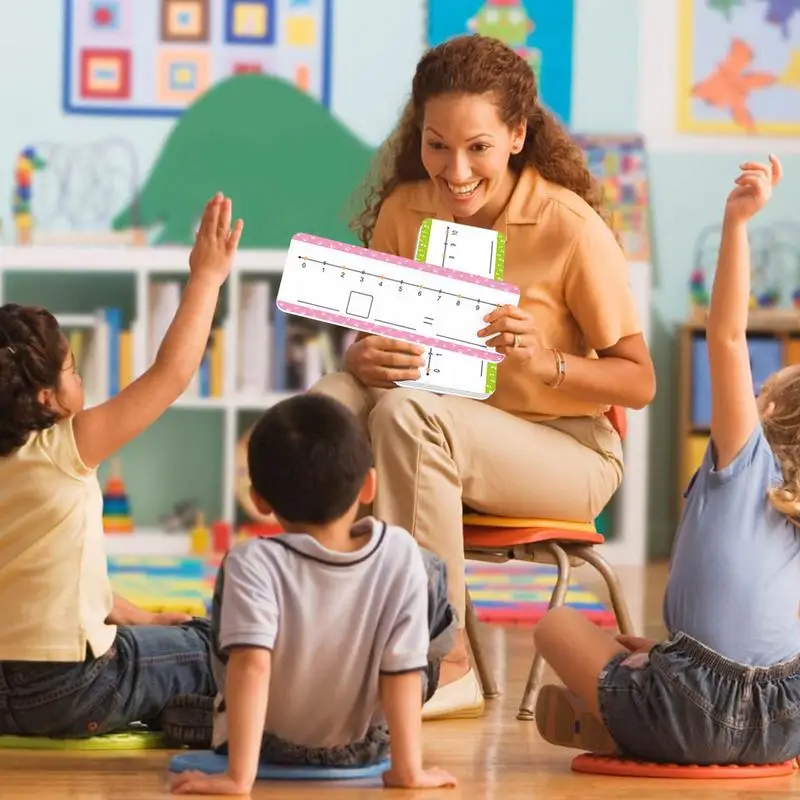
<point>132,682</point>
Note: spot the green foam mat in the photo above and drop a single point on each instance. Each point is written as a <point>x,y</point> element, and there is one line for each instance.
<point>129,740</point>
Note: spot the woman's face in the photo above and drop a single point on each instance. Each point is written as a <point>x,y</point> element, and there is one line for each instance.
<point>465,151</point>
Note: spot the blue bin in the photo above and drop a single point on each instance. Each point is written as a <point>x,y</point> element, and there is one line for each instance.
<point>766,357</point>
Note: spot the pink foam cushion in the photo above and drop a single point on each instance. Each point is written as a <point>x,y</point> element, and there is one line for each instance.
<point>622,767</point>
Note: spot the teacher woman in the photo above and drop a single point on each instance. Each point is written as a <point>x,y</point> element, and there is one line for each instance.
<point>475,146</point>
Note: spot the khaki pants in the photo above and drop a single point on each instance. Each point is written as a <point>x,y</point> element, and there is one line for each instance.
<point>436,454</point>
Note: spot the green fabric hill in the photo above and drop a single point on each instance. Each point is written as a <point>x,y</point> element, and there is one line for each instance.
<point>288,165</point>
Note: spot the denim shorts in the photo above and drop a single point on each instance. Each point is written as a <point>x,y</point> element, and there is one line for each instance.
<point>685,704</point>
<point>133,681</point>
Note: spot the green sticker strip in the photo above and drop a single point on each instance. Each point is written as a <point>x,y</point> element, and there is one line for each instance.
<point>491,377</point>
<point>500,257</point>
<point>423,240</point>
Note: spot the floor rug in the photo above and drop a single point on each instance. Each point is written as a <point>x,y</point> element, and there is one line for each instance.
<point>519,593</point>
<point>513,593</point>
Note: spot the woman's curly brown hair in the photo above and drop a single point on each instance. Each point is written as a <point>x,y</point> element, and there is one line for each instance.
<point>476,64</point>
<point>32,352</point>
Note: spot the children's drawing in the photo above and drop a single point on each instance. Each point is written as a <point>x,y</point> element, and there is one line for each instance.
<point>739,67</point>
<point>540,31</point>
<point>619,162</point>
<point>154,58</point>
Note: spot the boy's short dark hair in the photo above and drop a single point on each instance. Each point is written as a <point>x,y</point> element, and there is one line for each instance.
<point>308,457</point>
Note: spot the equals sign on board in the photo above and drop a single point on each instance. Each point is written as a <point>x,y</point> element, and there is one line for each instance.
<point>428,320</point>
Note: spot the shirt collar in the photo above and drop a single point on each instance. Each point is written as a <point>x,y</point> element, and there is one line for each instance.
<point>308,546</point>
<point>524,207</point>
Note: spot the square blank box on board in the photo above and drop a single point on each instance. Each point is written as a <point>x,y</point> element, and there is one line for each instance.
<point>359,304</point>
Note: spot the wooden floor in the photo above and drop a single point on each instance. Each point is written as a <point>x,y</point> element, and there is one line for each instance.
<point>496,757</point>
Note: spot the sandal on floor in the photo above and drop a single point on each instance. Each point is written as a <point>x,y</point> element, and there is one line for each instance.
<point>563,719</point>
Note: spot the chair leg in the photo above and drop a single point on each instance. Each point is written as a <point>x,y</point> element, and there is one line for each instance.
<point>488,683</point>
<point>528,701</point>
<point>591,556</point>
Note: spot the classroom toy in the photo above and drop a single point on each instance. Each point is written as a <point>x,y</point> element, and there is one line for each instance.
<point>200,536</point>
<point>221,537</point>
<point>116,506</point>
<point>28,162</point>
<point>423,303</point>
<point>215,764</point>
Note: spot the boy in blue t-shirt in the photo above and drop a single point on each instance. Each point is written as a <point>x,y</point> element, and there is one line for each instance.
<point>724,688</point>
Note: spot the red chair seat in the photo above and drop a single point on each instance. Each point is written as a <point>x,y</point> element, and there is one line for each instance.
<point>475,536</point>
<point>488,531</point>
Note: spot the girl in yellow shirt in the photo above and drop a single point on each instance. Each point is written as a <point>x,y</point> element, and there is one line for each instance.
<point>75,659</point>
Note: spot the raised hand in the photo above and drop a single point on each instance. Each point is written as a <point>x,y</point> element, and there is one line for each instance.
<point>753,189</point>
<point>215,243</point>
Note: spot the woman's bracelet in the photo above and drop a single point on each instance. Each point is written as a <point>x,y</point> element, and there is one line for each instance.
<point>561,369</point>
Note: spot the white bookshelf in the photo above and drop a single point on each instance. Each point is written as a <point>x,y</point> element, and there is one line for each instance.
<point>146,264</point>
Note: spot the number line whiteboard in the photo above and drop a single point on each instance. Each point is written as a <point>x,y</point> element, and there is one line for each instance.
<point>424,303</point>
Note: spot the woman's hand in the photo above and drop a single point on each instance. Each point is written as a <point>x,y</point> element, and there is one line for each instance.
<point>514,334</point>
<point>378,362</point>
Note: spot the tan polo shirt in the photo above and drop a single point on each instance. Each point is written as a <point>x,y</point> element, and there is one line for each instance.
<point>572,275</point>
<point>54,589</point>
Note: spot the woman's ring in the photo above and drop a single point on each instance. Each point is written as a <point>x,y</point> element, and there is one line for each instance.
<point>517,340</point>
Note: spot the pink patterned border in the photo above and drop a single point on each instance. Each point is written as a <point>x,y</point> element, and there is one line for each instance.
<point>385,330</point>
<point>406,262</point>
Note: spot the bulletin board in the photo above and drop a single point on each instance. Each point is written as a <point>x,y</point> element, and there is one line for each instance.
<point>153,58</point>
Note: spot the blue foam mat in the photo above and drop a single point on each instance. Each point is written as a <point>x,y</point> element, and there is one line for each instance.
<point>214,764</point>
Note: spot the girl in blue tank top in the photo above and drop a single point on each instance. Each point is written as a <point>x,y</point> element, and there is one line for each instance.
<point>724,687</point>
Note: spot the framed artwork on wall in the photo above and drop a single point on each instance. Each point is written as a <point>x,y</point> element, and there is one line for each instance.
<point>153,58</point>
<point>738,68</point>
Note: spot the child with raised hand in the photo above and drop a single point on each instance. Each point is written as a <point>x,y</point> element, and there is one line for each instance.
<point>327,638</point>
<point>77,660</point>
<point>724,688</point>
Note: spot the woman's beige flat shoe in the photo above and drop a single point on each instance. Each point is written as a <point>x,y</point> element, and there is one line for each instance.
<point>461,699</point>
